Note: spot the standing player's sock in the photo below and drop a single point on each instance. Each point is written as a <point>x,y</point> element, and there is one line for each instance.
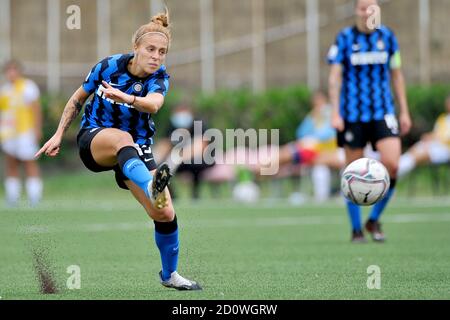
<point>13,189</point>
<point>321,177</point>
<point>381,205</point>
<point>166,237</point>
<point>133,167</point>
<point>354,212</point>
<point>34,188</point>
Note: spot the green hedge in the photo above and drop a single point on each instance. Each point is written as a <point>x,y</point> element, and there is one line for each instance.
<point>281,108</point>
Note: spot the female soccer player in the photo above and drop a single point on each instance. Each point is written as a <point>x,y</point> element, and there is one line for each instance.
<point>363,61</point>
<point>117,129</point>
<point>20,133</point>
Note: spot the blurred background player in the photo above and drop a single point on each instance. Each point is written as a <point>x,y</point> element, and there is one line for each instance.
<point>316,133</point>
<point>117,129</point>
<point>434,147</point>
<point>363,61</point>
<point>20,133</point>
<point>191,161</point>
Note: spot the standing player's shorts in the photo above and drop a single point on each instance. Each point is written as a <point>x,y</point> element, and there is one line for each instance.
<point>22,147</point>
<point>84,140</point>
<point>357,135</point>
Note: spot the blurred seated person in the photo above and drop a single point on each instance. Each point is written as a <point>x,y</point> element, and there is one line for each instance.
<point>316,146</point>
<point>433,147</point>
<point>182,147</point>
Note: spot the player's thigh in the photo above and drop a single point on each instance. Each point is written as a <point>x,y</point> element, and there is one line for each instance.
<point>107,143</point>
<point>166,214</point>
<point>353,154</point>
<point>390,151</point>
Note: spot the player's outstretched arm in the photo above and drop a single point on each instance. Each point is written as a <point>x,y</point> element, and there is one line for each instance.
<point>149,104</point>
<point>335,84</point>
<point>73,107</point>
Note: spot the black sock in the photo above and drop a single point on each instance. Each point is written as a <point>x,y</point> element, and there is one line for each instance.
<point>125,154</point>
<point>166,227</point>
<point>393,183</point>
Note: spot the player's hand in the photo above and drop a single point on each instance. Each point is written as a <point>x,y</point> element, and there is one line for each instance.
<point>337,122</point>
<point>51,147</point>
<point>115,94</point>
<point>405,123</point>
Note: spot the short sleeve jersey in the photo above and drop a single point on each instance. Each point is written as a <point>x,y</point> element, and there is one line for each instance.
<point>103,112</point>
<point>367,61</point>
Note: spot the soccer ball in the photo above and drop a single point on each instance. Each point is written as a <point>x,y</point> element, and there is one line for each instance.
<point>246,192</point>
<point>365,181</point>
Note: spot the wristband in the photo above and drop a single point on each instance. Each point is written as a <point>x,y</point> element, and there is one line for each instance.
<point>134,100</point>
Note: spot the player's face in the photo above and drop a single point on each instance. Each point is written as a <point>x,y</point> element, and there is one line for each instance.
<point>12,73</point>
<point>319,101</point>
<point>151,52</point>
<point>361,10</point>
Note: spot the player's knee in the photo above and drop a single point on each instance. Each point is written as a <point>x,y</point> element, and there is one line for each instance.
<point>392,167</point>
<point>164,215</point>
<point>123,139</point>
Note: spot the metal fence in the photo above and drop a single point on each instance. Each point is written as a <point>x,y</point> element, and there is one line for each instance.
<point>217,44</point>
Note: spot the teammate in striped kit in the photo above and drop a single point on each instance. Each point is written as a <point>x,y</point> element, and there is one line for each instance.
<point>117,129</point>
<point>364,60</point>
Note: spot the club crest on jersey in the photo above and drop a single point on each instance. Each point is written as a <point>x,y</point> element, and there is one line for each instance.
<point>138,87</point>
<point>380,45</point>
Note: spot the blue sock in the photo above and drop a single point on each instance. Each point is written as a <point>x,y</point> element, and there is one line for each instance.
<point>354,212</point>
<point>379,207</point>
<point>166,237</point>
<point>133,168</point>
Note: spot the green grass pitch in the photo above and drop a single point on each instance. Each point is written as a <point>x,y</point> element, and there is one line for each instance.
<point>265,251</point>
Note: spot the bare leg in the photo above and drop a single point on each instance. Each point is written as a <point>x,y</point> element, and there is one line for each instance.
<point>107,143</point>
<point>390,150</point>
<point>166,214</point>
<point>330,159</point>
<point>353,155</point>
<point>12,180</point>
<point>34,184</point>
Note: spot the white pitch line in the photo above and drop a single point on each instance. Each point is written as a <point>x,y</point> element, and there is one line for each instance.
<point>211,205</point>
<point>229,223</point>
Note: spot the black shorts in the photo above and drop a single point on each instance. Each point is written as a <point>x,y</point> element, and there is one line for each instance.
<point>84,139</point>
<point>357,135</point>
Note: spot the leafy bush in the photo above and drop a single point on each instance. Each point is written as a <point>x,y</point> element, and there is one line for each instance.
<point>280,108</point>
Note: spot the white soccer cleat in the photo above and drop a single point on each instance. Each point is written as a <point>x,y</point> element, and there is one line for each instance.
<point>157,188</point>
<point>178,282</point>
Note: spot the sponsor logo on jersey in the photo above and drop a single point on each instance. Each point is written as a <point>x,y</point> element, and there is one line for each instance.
<point>369,58</point>
<point>101,94</point>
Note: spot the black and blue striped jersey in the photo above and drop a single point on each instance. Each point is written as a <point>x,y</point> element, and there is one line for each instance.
<point>101,112</point>
<point>367,60</point>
